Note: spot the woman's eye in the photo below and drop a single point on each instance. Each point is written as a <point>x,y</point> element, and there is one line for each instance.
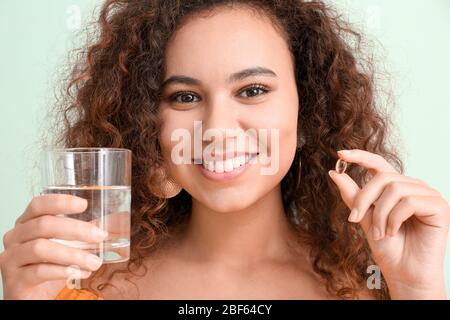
<point>254,91</point>
<point>186,97</point>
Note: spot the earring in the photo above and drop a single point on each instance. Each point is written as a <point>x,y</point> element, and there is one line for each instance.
<point>168,187</point>
<point>301,140</point>
<point>299,170</point>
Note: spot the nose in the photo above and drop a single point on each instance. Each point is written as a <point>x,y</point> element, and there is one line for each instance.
<point>221,121</point>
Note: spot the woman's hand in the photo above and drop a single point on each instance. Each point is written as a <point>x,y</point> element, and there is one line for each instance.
<point>35,267</point>
<point>406,223</point>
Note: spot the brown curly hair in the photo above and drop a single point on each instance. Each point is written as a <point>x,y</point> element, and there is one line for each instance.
<point>112,97</point>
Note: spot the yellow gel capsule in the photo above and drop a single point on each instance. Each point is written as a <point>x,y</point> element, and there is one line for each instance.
<point>341,166</point>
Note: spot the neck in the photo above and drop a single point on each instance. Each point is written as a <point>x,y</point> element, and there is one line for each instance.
<point>259,232</point>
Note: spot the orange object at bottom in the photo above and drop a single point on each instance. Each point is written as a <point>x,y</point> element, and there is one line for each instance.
<point>76,294</point>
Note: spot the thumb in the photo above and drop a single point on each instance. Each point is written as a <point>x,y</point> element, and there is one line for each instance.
<point>349,189</point>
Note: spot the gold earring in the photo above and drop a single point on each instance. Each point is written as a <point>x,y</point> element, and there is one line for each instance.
<point>168,187</point>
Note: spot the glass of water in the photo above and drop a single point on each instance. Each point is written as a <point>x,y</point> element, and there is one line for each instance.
<point>102,176</point>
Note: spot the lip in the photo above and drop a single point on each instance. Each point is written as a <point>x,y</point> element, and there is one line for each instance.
<point>226,176</point>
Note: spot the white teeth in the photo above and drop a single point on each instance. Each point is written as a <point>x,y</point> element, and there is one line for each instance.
<point>241,160</point>
<point>219,167</point>
<point>227,165</point>
<point>236,163</point>
<point>210,166</point>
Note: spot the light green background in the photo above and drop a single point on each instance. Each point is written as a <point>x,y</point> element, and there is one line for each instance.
<point>35,37</point>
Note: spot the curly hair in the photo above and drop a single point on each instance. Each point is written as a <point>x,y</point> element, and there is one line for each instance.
<point>112,95</point>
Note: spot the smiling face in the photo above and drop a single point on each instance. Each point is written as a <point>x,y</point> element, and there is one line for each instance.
<point>232,71</point>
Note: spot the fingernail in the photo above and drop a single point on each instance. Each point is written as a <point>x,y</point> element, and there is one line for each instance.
<point>330,173</point>
<point>73,270</point>
<point>94,262</point>
<point>376,233</point>
<point>77,272</point>
<point>98,234</point>
<point>343,152</point>
<point>353,215</point>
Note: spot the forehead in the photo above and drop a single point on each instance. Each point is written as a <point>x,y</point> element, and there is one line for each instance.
<point>230,39</point>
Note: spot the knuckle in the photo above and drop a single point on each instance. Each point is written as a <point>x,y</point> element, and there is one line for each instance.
<point>2,260</point>
<point>394,187</point>
<point>42,224</point>
<point>35,205</point>
<point>7,237</point>
<point>6,262</point>
<point>38,246</point>
<point>409,201</point>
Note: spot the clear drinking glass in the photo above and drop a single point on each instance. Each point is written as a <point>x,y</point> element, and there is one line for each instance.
<point>102,176</point>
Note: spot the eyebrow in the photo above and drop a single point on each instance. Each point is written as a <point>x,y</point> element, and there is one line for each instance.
<point>255,71</point>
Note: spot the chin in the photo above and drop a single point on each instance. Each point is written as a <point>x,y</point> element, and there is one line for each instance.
<point>224,201</point>
<point>226,207</point>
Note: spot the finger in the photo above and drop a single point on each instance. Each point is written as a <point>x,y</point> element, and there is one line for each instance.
<point>373,189</point>
<point>45,250</point>
<point>54,227</point>
<point>392,194</point>
<point>52,204</point>
<point>2,260</point>
<point>36,274</point>
<point>6,238</point>
<point>430,210</point>
<point>374,162</point>
<point>348,189</point>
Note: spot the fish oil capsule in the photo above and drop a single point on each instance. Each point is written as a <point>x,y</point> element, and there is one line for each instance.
<point>341,166</point>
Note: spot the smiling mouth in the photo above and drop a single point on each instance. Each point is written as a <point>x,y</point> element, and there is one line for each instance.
<point>228,165</point>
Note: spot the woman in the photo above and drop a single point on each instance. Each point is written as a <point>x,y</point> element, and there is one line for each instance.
<point>219,228</point>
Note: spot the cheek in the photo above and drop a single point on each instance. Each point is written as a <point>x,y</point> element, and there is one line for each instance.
<point>281,119</point>
<point>287,143</point>
<point>286,148</point>
<point>166,143</point>
<point>173,126</point>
